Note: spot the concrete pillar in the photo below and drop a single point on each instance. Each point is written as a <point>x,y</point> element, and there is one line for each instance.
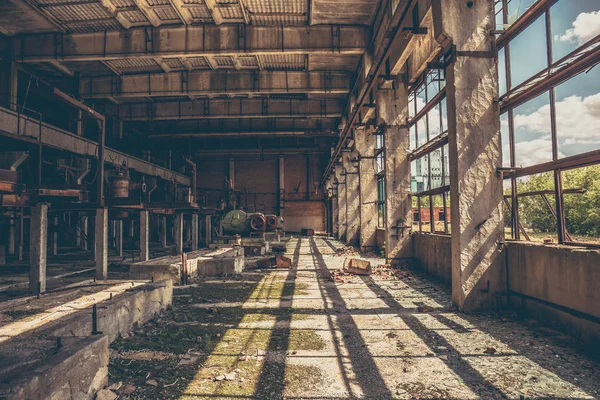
<point>163,230</point>
<point>2,255</point>
<point>365,146</point>
<point>281,185</point>
<point>131,229</point>
<point>178,232</point>
<point>392,112</point>
<point>341,203</point>
<point>194,226</point>
<point>208,230</point>
<point>119,238</point>
<point>55,237</point>
<point>475,151</point>
<point>101,239</point>
<point>12,237</point>
<point>84,232</point>
<point>334,207</point>
<point>352,198</point>
<point>21,233</point>
<point>38,243</point>
<point>144,235</point>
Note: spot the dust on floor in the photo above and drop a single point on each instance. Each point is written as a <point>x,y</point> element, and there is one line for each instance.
<point>303,333</point>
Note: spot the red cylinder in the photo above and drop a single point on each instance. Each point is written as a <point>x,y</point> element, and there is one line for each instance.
<point>258,223</point>
<point>272,222</point>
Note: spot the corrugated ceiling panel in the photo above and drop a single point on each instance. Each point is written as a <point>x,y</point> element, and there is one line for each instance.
<point>248,61</point>
<point>174,63</point>
<point>231,12</point>
<point>200,12</point>
<point>166,14</point>
<point>80,12</point>
<point>157,2</point>
<point>134,16</point>
<point>123,3</point>
<point>97,26</point>
<point>223,62</point>
<point>277,6</point>
<point>284,62</point>
<point>198,62</point>
<point>135,65</point>
<point>289,20</point>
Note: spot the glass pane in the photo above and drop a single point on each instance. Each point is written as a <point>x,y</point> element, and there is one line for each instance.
<point>528,54</point>
<point>498,12</point>
<point>411,106</point>
<point>446,166</point>
<point>536,202</point>
<point>506,208</point>
<point>420,175</point>
<point>581,203</point>
<point>573,24</point>
<point>435,122</point>
<point>501,72</point>
<point>438,213</point>
<point>422,131</point>
<point>436,161</point>
<point>516,8</point>
<point>504,134</point>
<point>578,114</point>
<point>420,97</point>
<point>444,111</point>
<point>533,142</point>
<point>413,138</point>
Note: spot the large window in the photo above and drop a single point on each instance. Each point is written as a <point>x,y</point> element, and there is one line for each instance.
<point>548,55</point>
<point>380,175</point>
<point>428,123</point>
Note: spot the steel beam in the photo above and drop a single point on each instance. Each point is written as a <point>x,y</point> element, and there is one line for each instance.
<point>192,41</point>
<point>227,109</point>
<point>215,83</point>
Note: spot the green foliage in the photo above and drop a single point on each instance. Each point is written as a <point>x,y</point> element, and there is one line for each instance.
<point>582,210</point>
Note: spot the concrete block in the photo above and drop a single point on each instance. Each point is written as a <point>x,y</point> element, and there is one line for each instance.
<point>283,262</point>
<point>357,266</point>
<point>76,371</point>
<point>206,262</point>
<point>266,262</point>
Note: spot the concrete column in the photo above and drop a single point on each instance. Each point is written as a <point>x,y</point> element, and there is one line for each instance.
<point>281,185</point>
<point>144,235</point>
<point>55,237</point>
<point>38,243</point>
<point>352,198</point>
<point>101,239</point>
<point>131,229</point>
<point>208,230</point>
<point>84,231</point>
<point>392,112</point>
<point>334,207</point>
<point>163,230</point>
<point>21,233</point>
<point>475,151</point>
<point>2,255</point>
<point>365,146</point>
<point>12,236</point>
<point>341,203</point>
<point>119,238</point>
<point>178,233</point>
<point>194,226</point>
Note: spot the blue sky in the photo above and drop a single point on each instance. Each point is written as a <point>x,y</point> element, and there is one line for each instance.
<point>574,22</point>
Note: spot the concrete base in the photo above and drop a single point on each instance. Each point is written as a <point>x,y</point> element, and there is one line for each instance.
<point>433,254</point>
<point>207,262</point>
<point>35,367</point>
<point>78,370</point>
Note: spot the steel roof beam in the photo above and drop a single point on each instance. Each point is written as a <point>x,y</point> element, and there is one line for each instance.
<point>190,41</point>
<point>215,83</point>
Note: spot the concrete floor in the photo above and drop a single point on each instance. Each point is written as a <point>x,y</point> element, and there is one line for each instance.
<point>301,334</point>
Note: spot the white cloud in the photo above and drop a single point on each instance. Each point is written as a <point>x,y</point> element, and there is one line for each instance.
<point>578,123</point>
<point>585,27</point>
<point>577,118</point>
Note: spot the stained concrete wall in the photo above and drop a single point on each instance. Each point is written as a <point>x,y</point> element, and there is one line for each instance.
<point>562,275</point>
<point>433,254</point>
<point>258,179</point>
<point>566,276</point>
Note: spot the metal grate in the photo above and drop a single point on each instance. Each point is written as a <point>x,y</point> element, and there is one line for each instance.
<point>223,62</point>
<point>198,62</point>
<point>174,63</point>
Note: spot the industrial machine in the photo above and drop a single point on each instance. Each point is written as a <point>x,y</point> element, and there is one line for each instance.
<point>238,222</point>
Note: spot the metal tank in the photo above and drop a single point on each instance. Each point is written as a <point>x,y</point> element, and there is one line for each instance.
<point>234,222</point>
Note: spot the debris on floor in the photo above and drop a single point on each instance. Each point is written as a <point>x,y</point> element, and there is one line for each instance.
<point>357,266</point>
<point>283,262</point>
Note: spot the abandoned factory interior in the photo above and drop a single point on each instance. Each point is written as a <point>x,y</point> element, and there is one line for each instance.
<point>299,199</point>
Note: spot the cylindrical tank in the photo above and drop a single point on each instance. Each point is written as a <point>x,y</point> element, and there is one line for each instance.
<point>234,222</point>
<point>272,222</point>
<point>258,222</point>
<point>119,187</point>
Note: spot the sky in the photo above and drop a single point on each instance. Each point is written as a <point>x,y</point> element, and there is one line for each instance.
<point>574,22</point>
